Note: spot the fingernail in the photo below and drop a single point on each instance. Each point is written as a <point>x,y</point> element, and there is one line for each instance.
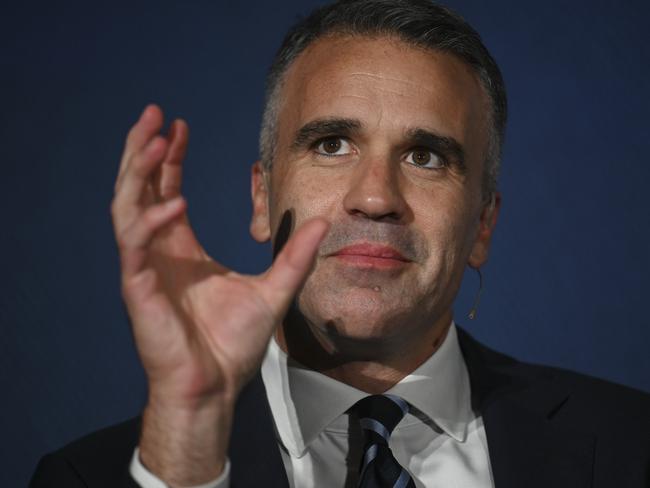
<point>146,110</point>
<point>174,202</point>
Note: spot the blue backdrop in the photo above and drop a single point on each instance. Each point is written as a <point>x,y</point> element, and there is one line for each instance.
<point>567,283</point>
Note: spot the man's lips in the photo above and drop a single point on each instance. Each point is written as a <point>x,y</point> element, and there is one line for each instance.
<point>371,256</point>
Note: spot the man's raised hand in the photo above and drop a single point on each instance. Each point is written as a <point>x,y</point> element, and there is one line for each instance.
<point>200,329</point>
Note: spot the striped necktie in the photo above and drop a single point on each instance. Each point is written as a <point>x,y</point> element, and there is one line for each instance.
<point>378,415</point>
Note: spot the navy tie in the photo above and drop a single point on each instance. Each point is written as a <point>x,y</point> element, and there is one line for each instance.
<point>378,415</point>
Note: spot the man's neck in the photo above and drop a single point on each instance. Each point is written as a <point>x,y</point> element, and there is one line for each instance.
<point>373,366</point>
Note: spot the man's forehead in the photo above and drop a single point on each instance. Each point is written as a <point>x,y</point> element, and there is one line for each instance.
<point>382,80</point>
<point>362,57</point>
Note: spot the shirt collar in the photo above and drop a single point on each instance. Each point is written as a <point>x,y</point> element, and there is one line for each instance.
<point>303,402</point>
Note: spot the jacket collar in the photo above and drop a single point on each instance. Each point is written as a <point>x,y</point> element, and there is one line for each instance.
<point>520,405</point>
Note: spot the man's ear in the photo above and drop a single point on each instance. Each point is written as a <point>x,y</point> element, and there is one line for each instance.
<point>260,227</point>
<point>479,255</point>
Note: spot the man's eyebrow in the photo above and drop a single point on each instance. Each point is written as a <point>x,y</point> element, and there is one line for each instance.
<point>446,146</point>
<point>324,127</point>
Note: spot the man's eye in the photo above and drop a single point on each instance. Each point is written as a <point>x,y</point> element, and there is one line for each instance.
<point>425,158</point>
<point>333,146</point>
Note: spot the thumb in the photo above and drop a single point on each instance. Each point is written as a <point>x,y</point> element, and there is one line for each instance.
<point>292,264</point>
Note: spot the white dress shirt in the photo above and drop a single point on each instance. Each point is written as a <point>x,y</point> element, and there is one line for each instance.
<point>441,442</point>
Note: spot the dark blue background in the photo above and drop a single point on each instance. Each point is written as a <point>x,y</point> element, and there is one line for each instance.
<point>568,279</point>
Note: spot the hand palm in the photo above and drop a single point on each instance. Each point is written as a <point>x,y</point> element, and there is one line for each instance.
<point>199,327</point>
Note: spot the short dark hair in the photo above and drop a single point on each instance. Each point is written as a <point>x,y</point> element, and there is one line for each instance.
<point>417,22</point>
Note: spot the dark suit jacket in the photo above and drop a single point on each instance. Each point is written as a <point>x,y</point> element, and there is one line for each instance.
<point>545,427</point>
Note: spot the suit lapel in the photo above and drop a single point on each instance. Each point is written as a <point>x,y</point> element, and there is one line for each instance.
<point>254,452</point>
<point>519,404</point>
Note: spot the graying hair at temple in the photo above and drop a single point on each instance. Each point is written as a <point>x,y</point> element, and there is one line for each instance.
<point>417,22</point>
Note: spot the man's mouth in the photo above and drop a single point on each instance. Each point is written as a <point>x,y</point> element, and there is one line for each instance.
<point>367,255</point>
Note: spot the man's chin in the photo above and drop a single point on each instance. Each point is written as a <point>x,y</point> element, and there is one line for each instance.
<point>361,319</point>
<point>363,341</point>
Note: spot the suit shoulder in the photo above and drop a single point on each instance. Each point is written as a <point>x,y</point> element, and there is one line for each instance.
<point>580,398</point>
<point>604,399</point>
<point>593,400</point>
<point>99,459</point>
<point>584,402</point>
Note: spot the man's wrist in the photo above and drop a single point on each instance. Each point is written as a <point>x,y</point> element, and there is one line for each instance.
<point>186,447</point>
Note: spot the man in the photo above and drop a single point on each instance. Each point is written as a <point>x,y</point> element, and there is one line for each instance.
<point>380,147</point>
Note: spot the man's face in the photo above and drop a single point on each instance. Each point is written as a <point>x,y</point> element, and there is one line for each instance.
<point>387,142</point>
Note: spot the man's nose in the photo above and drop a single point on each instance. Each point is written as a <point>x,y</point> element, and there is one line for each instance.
<point>375,192</point>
